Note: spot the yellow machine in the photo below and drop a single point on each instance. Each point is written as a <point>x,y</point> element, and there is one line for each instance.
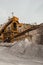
<point>10,29</point>
<point>13,29</point>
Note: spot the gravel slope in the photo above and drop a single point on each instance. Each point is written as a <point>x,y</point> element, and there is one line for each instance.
<point>28,51</point>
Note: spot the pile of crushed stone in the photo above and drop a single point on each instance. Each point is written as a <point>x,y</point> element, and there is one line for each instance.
<point>29,47</point>
<point>28,51</point>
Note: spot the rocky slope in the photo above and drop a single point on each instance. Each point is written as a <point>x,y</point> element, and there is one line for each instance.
<point>28,51</point>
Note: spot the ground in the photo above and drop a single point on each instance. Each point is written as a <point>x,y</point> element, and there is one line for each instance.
<point>28,51</point>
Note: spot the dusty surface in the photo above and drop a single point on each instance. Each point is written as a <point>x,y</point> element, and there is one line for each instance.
<point>28,51</point>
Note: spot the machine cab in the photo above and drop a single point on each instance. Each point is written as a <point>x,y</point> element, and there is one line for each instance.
<point>15,24</point>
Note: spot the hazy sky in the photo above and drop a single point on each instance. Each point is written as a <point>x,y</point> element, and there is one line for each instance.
<point>28,11</point>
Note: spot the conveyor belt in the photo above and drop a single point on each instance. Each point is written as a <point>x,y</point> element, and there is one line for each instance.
<point>27,30</point>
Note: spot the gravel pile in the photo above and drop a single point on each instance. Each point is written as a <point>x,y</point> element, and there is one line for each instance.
<point>28,51</point>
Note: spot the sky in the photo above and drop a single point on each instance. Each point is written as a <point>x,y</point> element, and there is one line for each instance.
<point>28,11</point>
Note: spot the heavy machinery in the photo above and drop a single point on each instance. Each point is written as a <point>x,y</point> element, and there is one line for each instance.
<point>9,29</point>
<point>12,30</point>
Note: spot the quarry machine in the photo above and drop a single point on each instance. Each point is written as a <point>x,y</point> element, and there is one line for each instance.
<point>13,30</point>
<point>9,29</point>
